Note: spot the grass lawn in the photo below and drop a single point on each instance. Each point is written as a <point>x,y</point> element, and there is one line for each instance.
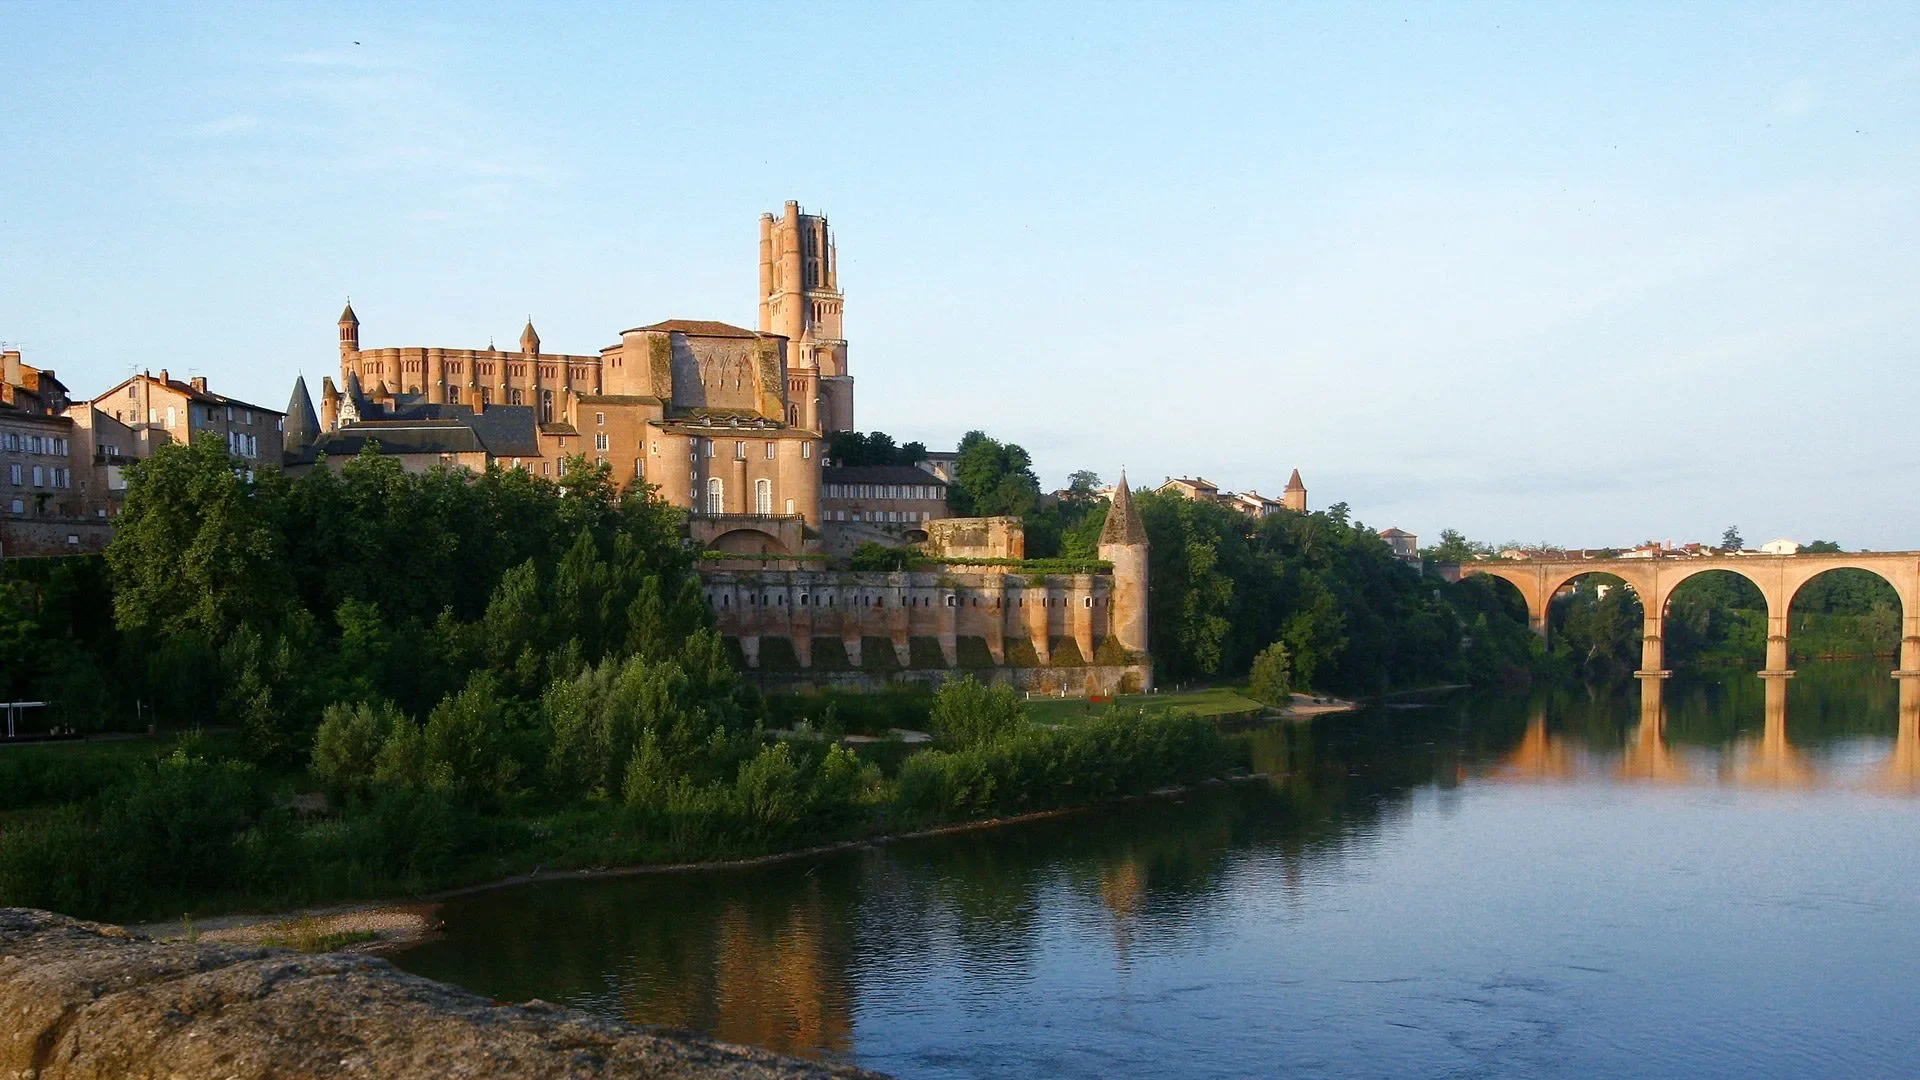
<point>1214,701</point>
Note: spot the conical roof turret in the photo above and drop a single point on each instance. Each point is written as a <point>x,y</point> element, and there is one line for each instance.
<point>1123,524</point>
<point>1294,483</point>
<point>348,318</point>
<point>303,424</point>
<point>530,339</point>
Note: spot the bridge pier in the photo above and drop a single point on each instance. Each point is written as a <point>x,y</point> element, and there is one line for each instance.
<point>1777,606</point>
<point>1653,651</point>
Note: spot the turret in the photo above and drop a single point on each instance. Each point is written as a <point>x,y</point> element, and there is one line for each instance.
<point>1295,497</point>
<point>1123,542</point>
<point>530,339</point>
<point>352,401</point>
<point>303,426</point>
<point>349,333</point>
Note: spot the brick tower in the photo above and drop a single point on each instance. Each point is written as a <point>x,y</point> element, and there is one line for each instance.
<point>800,300</point>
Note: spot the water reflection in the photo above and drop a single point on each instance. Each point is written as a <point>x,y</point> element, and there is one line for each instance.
<point>1730,730</point>
<point>1296,919</point>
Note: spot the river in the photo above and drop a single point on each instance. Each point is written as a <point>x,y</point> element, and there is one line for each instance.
<point>1718,883</point>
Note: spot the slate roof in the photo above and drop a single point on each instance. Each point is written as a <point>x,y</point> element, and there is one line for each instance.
<point>878,474</point>
<point>398,437</point>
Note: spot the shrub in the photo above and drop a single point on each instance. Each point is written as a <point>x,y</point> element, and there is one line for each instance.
<point>967,713</point>
<point>346,749</point>
<point>1271,678</point>
<point>467,735</point>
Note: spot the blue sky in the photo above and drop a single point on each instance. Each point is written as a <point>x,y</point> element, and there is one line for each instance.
<point>1580,273</point>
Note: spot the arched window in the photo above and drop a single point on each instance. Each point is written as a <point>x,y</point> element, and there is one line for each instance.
<point>763,498</point>
<point>716,496</point>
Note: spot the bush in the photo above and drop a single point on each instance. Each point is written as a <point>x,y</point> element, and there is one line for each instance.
<point>346,749</point>
<point>1118,754</point>
<point>967,713</point>
<point>1271,679</point>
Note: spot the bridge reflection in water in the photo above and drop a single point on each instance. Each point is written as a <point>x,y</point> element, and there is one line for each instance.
<point>1767,760</point>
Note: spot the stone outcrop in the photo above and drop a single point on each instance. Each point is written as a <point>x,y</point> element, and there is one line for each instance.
<point>81,999</point>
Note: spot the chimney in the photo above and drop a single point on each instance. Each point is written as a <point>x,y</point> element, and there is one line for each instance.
<point>10,367</point>
<point>200,383</point>
<point>164,377</point>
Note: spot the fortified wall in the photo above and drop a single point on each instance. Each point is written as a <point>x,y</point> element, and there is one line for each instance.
<point>1069,633</point>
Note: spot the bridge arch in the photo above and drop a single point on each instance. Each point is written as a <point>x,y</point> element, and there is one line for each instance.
<point>1779,578</point>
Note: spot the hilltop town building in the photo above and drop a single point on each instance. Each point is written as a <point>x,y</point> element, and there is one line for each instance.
<point>1405,545</point>
<point>724,421</point>
<point>62,461</point>
<point>1251,503</point>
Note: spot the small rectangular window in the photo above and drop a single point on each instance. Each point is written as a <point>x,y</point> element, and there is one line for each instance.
<point>769,449</point>
<point>599,418</point>
<point>806,449</point>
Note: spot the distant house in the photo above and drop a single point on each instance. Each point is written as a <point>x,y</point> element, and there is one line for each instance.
<point>942,463</point>
<point>1782,546</point>
<point>1253,504</point>
<point>1196,488</point>
<point>1405,545</point>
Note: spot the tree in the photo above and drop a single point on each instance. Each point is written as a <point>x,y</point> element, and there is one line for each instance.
<point>1270,681</point>
<point>1082,483</point>
<point>1730,540</point>
<point>993,478</point>
<point>1456,548</point>
<point>967,713</point>
<point>853,448</point>
<point>196,550</point>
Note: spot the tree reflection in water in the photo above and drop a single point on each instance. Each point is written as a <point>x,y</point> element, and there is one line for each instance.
<point>791,956</point>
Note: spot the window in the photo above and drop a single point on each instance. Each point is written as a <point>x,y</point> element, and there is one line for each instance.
<point>598,418</point>
<point>762,497</point>
<point>170,416</point>
<point>19,507</point>
<point>600,441</point>
<point>655,445</point>
<point>514,397</point>
<point>806,449</point>
<point>707,446</point>
<point>13,474</point>
<point>130,390</point>
<point>789,507</point>
<point>739,451</point>
<point>153,415</point>
<point>453,395</point>
<point>769,449</point>
<point>39,476</point>
<point>716,493</point>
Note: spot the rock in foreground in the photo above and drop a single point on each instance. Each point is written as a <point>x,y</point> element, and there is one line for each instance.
<point>80,999</point>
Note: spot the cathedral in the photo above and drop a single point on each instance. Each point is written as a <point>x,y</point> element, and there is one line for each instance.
<point>726,422</point>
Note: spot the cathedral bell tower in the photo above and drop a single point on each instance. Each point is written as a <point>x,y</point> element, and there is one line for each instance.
<point>800,300</point>
<point>349,336</point>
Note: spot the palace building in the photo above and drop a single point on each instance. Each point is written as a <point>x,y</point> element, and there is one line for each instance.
<point>726,422</point>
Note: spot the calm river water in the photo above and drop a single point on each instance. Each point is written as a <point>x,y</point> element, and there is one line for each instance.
<point>1563,885</point>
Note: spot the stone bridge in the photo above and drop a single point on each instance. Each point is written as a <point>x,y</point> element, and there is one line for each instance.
<point>1779,577</point>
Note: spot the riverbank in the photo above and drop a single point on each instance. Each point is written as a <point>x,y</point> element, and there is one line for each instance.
<point>384,927</point>
<point>86,999</point>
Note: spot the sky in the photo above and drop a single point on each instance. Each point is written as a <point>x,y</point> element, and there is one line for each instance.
<point>1587,274</point>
